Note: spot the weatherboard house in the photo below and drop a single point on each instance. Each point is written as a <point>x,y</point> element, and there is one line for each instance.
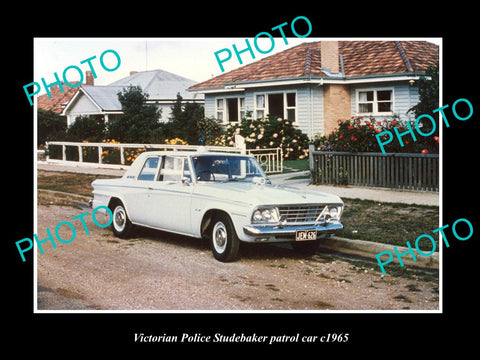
<point>315,84</point>
<point>161,86</point>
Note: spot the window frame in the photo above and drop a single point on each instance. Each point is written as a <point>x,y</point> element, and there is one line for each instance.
<point>375,102</point>
<point>266,109</point>
<point>159,165</point>
<point>225,111</point>
<point>161,171</point>
<point>218,110</point>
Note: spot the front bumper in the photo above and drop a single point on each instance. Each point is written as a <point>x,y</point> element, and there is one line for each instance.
<point>287,233</point>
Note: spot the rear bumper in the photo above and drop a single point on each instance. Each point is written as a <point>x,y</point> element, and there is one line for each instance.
<point>287,233</point>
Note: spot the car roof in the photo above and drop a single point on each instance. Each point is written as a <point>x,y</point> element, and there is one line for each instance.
<point>135,168</point>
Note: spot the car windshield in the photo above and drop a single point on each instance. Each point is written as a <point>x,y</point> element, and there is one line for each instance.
<point>223,168</point>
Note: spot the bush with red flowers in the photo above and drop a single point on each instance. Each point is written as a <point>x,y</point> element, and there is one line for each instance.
<point>358,134</point>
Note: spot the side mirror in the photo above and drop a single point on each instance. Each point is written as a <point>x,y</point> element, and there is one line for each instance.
<point>185,180</point>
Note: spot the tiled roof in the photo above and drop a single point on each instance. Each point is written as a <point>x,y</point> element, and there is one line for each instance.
<point>59,99</point>
<point>360,58</point>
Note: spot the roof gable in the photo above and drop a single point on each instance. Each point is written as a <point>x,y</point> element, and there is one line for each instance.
<point>58,99</point>
<point>105,97</point>
<point>360,58</point>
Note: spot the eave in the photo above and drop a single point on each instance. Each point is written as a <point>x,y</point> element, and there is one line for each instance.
<point>301,80</point>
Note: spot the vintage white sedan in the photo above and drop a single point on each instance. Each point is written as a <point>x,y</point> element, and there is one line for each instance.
<point>223,197</point>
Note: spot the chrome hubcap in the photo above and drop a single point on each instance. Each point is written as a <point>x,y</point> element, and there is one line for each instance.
<point>119,216</point>
<point>219,237</point>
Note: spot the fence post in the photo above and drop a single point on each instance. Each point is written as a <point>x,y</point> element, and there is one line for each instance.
<point>47,152</point>
<point>311,159</point>
<point>64,152</point>
<point>122,155</point>
<point>99,154</point>
<point>281,159</point>
<point>80,154</point>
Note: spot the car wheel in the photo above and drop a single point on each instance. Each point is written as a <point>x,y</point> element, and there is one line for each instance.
<point>223,238</point>
<point>305,247</point>
<point>121,225</point>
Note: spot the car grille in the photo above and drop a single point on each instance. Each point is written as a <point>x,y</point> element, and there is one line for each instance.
<point>300,213</point>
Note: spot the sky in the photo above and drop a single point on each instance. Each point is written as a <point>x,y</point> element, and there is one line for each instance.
<point>192,58</point>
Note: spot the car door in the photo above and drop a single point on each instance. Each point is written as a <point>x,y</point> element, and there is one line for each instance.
<point>168,200</point>
<point>138,194</point>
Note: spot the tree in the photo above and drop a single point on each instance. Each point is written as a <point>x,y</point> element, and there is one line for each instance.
<point>86,128</point>
<point>51,126</point>
<point>184,121</point>
<point>139,122</point>
<point>428,92</point>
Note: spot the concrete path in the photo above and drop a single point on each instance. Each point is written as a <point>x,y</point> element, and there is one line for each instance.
<point>358,192</point>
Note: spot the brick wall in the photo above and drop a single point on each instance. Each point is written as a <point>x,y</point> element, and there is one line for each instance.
<point>336,102</point>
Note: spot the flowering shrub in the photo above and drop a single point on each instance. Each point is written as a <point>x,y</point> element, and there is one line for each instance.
<point>131,154</point>
<point>211,131</point>
<point>175,141</point>
<point>270,133</point>
<point>110,155</point>
<point>358,135</point>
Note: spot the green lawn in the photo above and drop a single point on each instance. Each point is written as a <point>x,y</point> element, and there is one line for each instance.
<point>296,165</point>
<point>388,223</point>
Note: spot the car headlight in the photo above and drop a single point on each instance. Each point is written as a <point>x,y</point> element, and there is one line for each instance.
<point>335,212</point>
<point>265,216</point>
<point>331,212</point>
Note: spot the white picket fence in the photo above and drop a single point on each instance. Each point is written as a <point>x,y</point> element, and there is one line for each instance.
<point>270,159</point>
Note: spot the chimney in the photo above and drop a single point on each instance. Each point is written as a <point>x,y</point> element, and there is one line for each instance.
<point>329,56</point>
<point>89,78</point>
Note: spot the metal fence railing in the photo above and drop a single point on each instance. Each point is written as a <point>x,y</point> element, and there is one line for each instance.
<point>271,160</point>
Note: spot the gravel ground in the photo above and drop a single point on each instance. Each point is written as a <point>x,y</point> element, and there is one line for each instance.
<point>159,271</point>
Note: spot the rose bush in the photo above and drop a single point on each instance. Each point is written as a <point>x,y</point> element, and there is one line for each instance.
<point>270,132</point>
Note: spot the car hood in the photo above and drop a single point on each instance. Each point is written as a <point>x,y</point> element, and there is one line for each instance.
<point>256,194</point>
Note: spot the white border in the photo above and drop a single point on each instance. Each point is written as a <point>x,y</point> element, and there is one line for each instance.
<point>438,41</point>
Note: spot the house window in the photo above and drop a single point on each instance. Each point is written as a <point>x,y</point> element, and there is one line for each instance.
<point>280,104</point>
<point>230,109</point>
<point>291,108</point>
<point>242,108</point>
<point>375,101</point>
<point>260,106</point>
<point>232,106</point>
<point>220,109</point>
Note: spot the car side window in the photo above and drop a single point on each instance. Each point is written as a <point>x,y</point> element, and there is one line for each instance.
<point>149,169</point>
<point>172,169</point>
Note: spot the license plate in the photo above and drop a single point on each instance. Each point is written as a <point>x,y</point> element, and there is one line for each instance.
<point>305,235</point>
